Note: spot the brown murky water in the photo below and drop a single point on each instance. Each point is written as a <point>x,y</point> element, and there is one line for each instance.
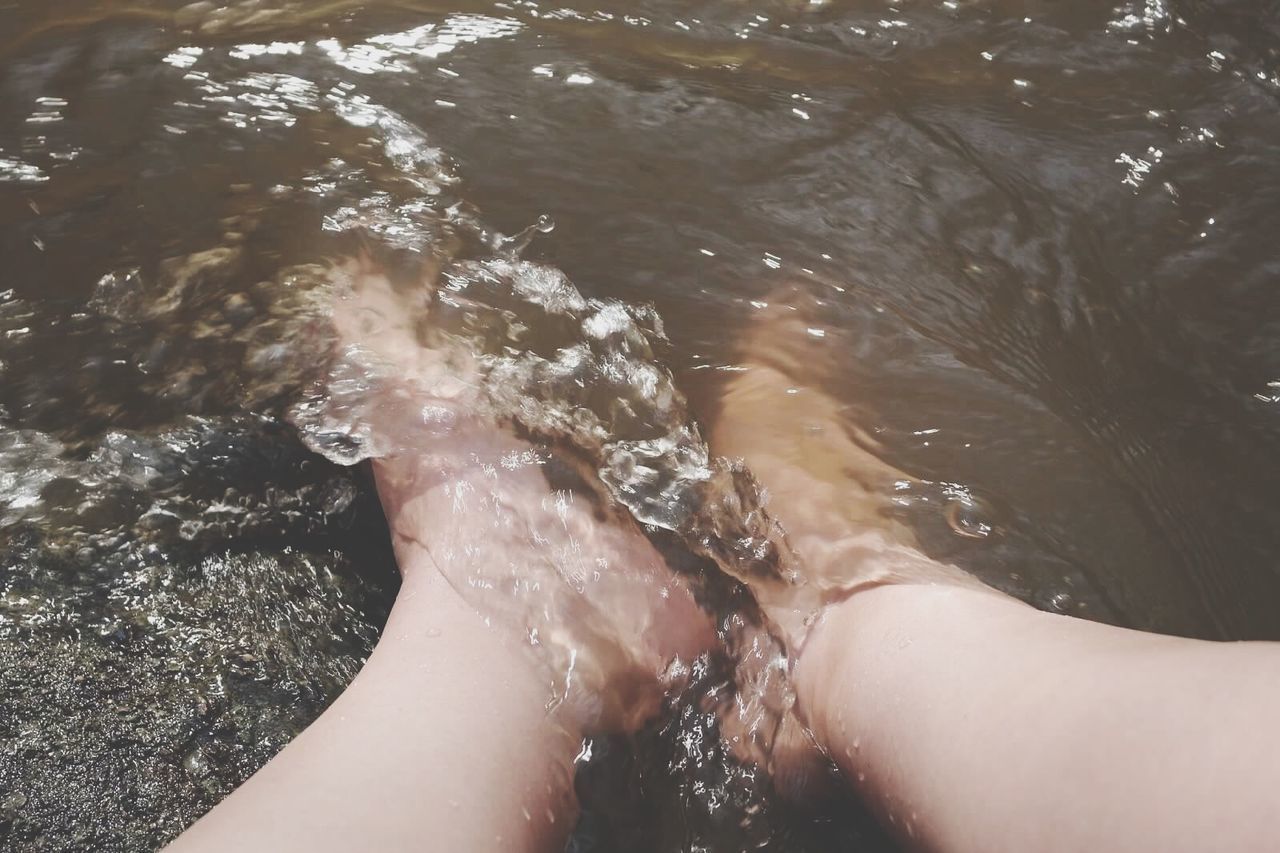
<point>1042,234</point>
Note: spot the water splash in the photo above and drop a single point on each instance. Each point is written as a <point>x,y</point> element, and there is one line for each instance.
<point>513,247</point>
<point>227,339</point>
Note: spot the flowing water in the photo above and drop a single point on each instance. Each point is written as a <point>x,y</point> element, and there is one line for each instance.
<point>1036,237</point>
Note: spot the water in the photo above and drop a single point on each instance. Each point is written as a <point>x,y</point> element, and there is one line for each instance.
<point>1039,236</point>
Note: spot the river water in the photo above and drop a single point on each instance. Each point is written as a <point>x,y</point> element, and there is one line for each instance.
<point>1040,237</point>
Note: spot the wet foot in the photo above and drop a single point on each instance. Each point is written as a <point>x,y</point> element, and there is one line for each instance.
<point>827,487</point>
<point>823,479</point>
<point>520,531</point>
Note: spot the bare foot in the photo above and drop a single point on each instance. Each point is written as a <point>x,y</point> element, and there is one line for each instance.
<point>823,480</point>
<point>522,532</point>
<point>829,490</point>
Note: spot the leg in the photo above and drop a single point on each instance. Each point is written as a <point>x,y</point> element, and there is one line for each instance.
<point>978,724</point>
<point>442,739</point>
<point>973,722</point>
<point>527,617</point>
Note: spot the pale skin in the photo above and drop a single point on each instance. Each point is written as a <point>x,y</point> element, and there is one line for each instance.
<point>450,732</point>
<point>970,721</point>
<point>974,723</point>
<point>456,735</point>
<point>443,735</point>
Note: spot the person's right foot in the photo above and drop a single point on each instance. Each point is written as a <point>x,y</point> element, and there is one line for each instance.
<point>830,492</point>
<point>824,483</point>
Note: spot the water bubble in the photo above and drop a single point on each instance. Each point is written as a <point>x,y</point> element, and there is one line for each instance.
<point>514,247</point>
<point>966,517</point>
<point>196,763</point>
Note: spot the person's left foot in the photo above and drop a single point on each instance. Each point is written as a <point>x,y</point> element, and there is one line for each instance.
<point>579,584</point>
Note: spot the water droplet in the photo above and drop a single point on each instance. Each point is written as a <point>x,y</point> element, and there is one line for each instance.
<point>1061,602</point>
<point>966,518</point>
<point>513,247</point>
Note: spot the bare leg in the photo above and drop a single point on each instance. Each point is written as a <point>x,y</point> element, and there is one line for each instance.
<point>461,730</point>
<point>975,723</point>
<point>442,740</point>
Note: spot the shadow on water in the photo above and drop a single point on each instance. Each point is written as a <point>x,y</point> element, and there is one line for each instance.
<point>1041,236</point>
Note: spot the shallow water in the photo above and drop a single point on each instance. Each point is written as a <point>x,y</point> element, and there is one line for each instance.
<point>1041,235</point>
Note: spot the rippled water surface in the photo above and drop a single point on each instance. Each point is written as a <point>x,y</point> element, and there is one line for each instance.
<point>1036,242</point>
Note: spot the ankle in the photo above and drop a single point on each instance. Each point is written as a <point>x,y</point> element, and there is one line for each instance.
<point>846,668</point>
